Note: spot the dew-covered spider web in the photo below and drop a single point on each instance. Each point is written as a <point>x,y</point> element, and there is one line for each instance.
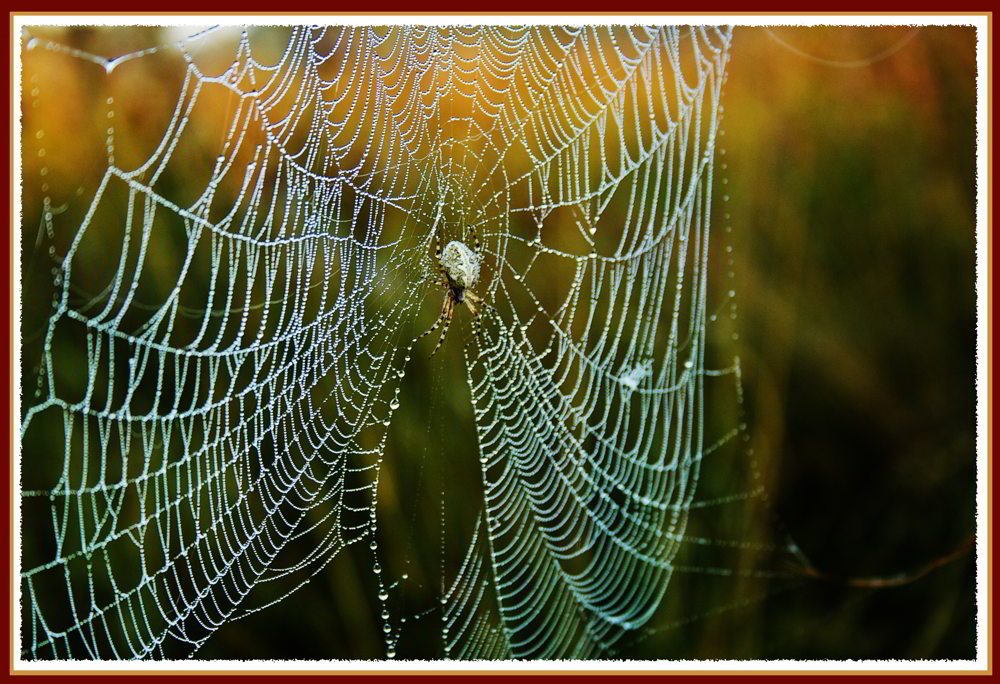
<point>236,265</point>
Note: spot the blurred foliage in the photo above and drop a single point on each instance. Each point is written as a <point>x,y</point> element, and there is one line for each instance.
<point>850,192</point>
<point>853,197</point>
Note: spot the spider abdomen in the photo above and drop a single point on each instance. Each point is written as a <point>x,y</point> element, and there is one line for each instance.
<point>461,265</point>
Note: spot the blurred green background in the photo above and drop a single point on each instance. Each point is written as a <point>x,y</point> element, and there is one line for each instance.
<point>850,192</point>
<point>853,197</point>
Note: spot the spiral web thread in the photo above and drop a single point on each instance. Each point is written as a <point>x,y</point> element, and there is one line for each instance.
<point>207,424</point>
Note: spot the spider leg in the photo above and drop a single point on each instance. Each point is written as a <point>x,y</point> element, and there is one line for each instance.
<point>472,307</point>
<point>446,314</point>
<point>475,238</point>
<point>436,279</point>
<point>437,324</point>
<point>477,325</point>
<point>441,277</point>
<point>472,298</point>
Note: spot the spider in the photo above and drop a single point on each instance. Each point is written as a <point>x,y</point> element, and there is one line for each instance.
<point>460,267</point>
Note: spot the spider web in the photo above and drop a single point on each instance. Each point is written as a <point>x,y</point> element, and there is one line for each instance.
<point>227,340</point>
